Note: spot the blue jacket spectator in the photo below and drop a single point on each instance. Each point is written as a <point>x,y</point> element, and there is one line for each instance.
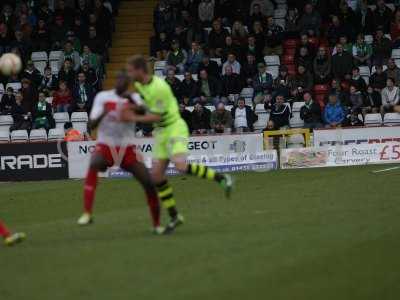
<point>334,113</point>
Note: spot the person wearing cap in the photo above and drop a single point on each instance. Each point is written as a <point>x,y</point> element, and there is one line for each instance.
<point>70,53</point>
<point>32,73</point>
<point>177,58</point>
<point>262,83</point>
<point>221,119</point>
<point>71,134</point>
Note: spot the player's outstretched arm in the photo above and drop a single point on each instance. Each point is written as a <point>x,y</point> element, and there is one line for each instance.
<point>94,123</point>
<point>129,115</point>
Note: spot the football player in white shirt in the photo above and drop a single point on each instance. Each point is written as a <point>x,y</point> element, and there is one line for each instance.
<point>115,147</point>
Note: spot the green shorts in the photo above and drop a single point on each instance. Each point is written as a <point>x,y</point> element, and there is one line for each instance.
<point>171,140</point>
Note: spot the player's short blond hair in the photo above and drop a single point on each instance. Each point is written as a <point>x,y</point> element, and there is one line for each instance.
<point>139,62</point>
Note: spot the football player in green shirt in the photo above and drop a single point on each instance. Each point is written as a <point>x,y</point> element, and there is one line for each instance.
<point>171,136</point>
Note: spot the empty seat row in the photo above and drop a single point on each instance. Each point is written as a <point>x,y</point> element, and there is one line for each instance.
<point>389,119</point>
<point>36,135</point>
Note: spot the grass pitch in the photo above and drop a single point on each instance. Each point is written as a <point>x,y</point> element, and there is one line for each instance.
<point>303,234</point>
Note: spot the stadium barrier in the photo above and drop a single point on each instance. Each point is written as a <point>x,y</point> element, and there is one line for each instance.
<point>33,161</point>
<point>340,155</point>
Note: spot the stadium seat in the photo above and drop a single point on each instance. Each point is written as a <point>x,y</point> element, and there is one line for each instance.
<point>39,56</point>
<point>274,71</point>
<point>55,134</point>
<point>2,91</point>
<point>195,77</point>
<point>388,36</point>
<point>373,120</point>
<point>373,70</point>
<point>227,28</point>
<point>247,94</point>
<point>15,85</point>
<point>391,6</point>
<point>190,108</point>
<point>61,118</point>
<point>37,135</point>
<point>210,107</point>
<point>55,55</point>
<point>280,22</point>
<point>207,30</point>
<point>159,67</point>
<point>228,107</point>
<point>369,39</point>
<point>54,67</point>
<point>296,122</point>
<point>217,60</point>
<point>280,13</point>
<point>6,121</point>
<point>260,108</point>
<point>297,106</point>
<point>19,136</point>
<point>79,121</point>
<point>4,137</point>
<point>396,53</point>
<point>391,119</point>
<point>366,79</point>
<point>262,120</point>
<point>397,62</point>
<point>49,100</point>
<point>272,60</point>
<point>364,71</point>
<point>40,65</point>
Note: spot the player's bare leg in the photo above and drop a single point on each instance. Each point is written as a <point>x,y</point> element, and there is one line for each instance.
<point>166,194</point>
<point>97,164</point>
<point>141,173</point>
<point>10,239</point>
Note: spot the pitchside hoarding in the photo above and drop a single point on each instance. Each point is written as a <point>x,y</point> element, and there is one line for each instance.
<point>356,136</point>
<point>336,156</point>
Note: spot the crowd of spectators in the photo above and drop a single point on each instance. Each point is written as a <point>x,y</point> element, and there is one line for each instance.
<point>79,31</point>
<point>213,49</point>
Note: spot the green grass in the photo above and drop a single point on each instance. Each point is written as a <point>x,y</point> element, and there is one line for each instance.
<point>303,234</point>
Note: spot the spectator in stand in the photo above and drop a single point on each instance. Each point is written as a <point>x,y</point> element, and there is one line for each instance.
<point>229,48</point>
<point>72,55</point>
<point>310,22</point>
<point>29,94</point>
<point>372,101</point>
<point>62,98</point>
<point>200,119</point>
<point>322,67</point>
<point>304,59</point>
<point>356,100</point>
<point>382,15</point>
<point>310,113</point>
<point>210,66</point>
<point>161,46</point>
<point>186,115</point>
<point>231,86</point>
<point>32,73</point>
<point>22,117</point>
<point>378,79</point>
<point>216,38</point>
<point>221,119</point>
<point>365,18</point>
<point>347,46</point>
<point>23,45</point>
<point>180,35</point>
<point>264,7</point>
<point>256,15</point>
<point>189,89</point>
<point>393,71</point>
<point>292,20</point>
<point>41,36</point>
<point>249,69</point>
<point>175,84</point>
<point>259,36</point>
<point>362,52</point>
<point>91,76</point>
<point>381,47</point>
<point>7,102</point>
<point>395,29</point>
<point>334,114</point>
<point>42,114</point>
<point>252,48</point>
<point>177,58</point>
<point>358,81</point>
<point>79,28</point>
<point>67,74</point>
<point>49,81</point>
<point>233,63</point>
<point>262,84</point>
<point>390,97</point>
<point>305,42</point>
<point>335,31</point>
<point>65,11</point>
<point>95,42</point>
<point>206,12</point>
<point>90,58</point>
<point>243,117</point>
<point>280,113</point>
<point>76,43</point>
<point>303,80</point>
<point>337,90</point>
<point>209,87</point>
<point>58,32</point>
<point>195,57</point>
<point>82,94</point>
<point>274,36</point>
<point>342,62</point>
<point>239,33</point>
<point>283,82</point>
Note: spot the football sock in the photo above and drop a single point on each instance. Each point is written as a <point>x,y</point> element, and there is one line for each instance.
<point>4,232</point>
<point>166,196</point>
<point>90,190</point>
<point>154,206</point>
<point>205,172</point>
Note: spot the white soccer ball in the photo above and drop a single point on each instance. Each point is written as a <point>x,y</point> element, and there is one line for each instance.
<point>10,64</point>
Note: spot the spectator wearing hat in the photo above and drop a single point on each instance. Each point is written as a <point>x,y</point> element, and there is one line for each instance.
<point>42,114</point>
<point>280,113</point>
<point>334,113</point>
<point>32,73</point>
<point>243,117</point>
<point>322,67</point>
<point>262,84</point>
<point>200,119</point>
<point>310,113</point>
<point>176,58</point>
<point>71,54</point>
<point>221,119</point>
<point>7,102</point>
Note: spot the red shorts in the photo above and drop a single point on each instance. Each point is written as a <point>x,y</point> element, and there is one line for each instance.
<point>122,156</point>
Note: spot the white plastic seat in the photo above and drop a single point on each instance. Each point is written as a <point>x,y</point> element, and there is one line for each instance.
<point>180,77</point>
<point>391,6</point>
<point>16,86</point>
<point>280,13</point>
<point>160,65</point>
<point>55,134</point>
<point>388,36</point>
<point>369,39</point>
<point>296,122</point>
<point>272,60</point>
<point>190,108</point>
<point>297,106</point>
<point>2,91</point>
<point>227,28</point>
<point>396,53</point>
<point>39,56</point>
<point>397,62</point>
<point>81,126</point>
<point>373,120</point>
<point>262,121</point>
<point>79,117</point>
<point>274,71</point>
<point>61,118</point>
<point>19,136</point>
<point>4,137</point>
<point>247,93</point>
<point>260,108</point>
<point>6,121</point>
<point>391,119</point>
<point>280,22</point>
<point>228,107</point>
<point>364,71</point>
<point>195,77</point>
<point>207,30</point>
<point>373,70</point>
<point>210,107</point>
<point>54,66</point>
<point>40,65</point>
<point>366,79</point>
<point>55,55</point>
<point>217,60</point>
<point>38,135</point>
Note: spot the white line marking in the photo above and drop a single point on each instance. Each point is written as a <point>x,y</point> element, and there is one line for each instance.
<point>386,170</point>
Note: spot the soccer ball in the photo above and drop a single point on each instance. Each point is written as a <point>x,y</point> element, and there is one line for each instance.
<point>10,64</point>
